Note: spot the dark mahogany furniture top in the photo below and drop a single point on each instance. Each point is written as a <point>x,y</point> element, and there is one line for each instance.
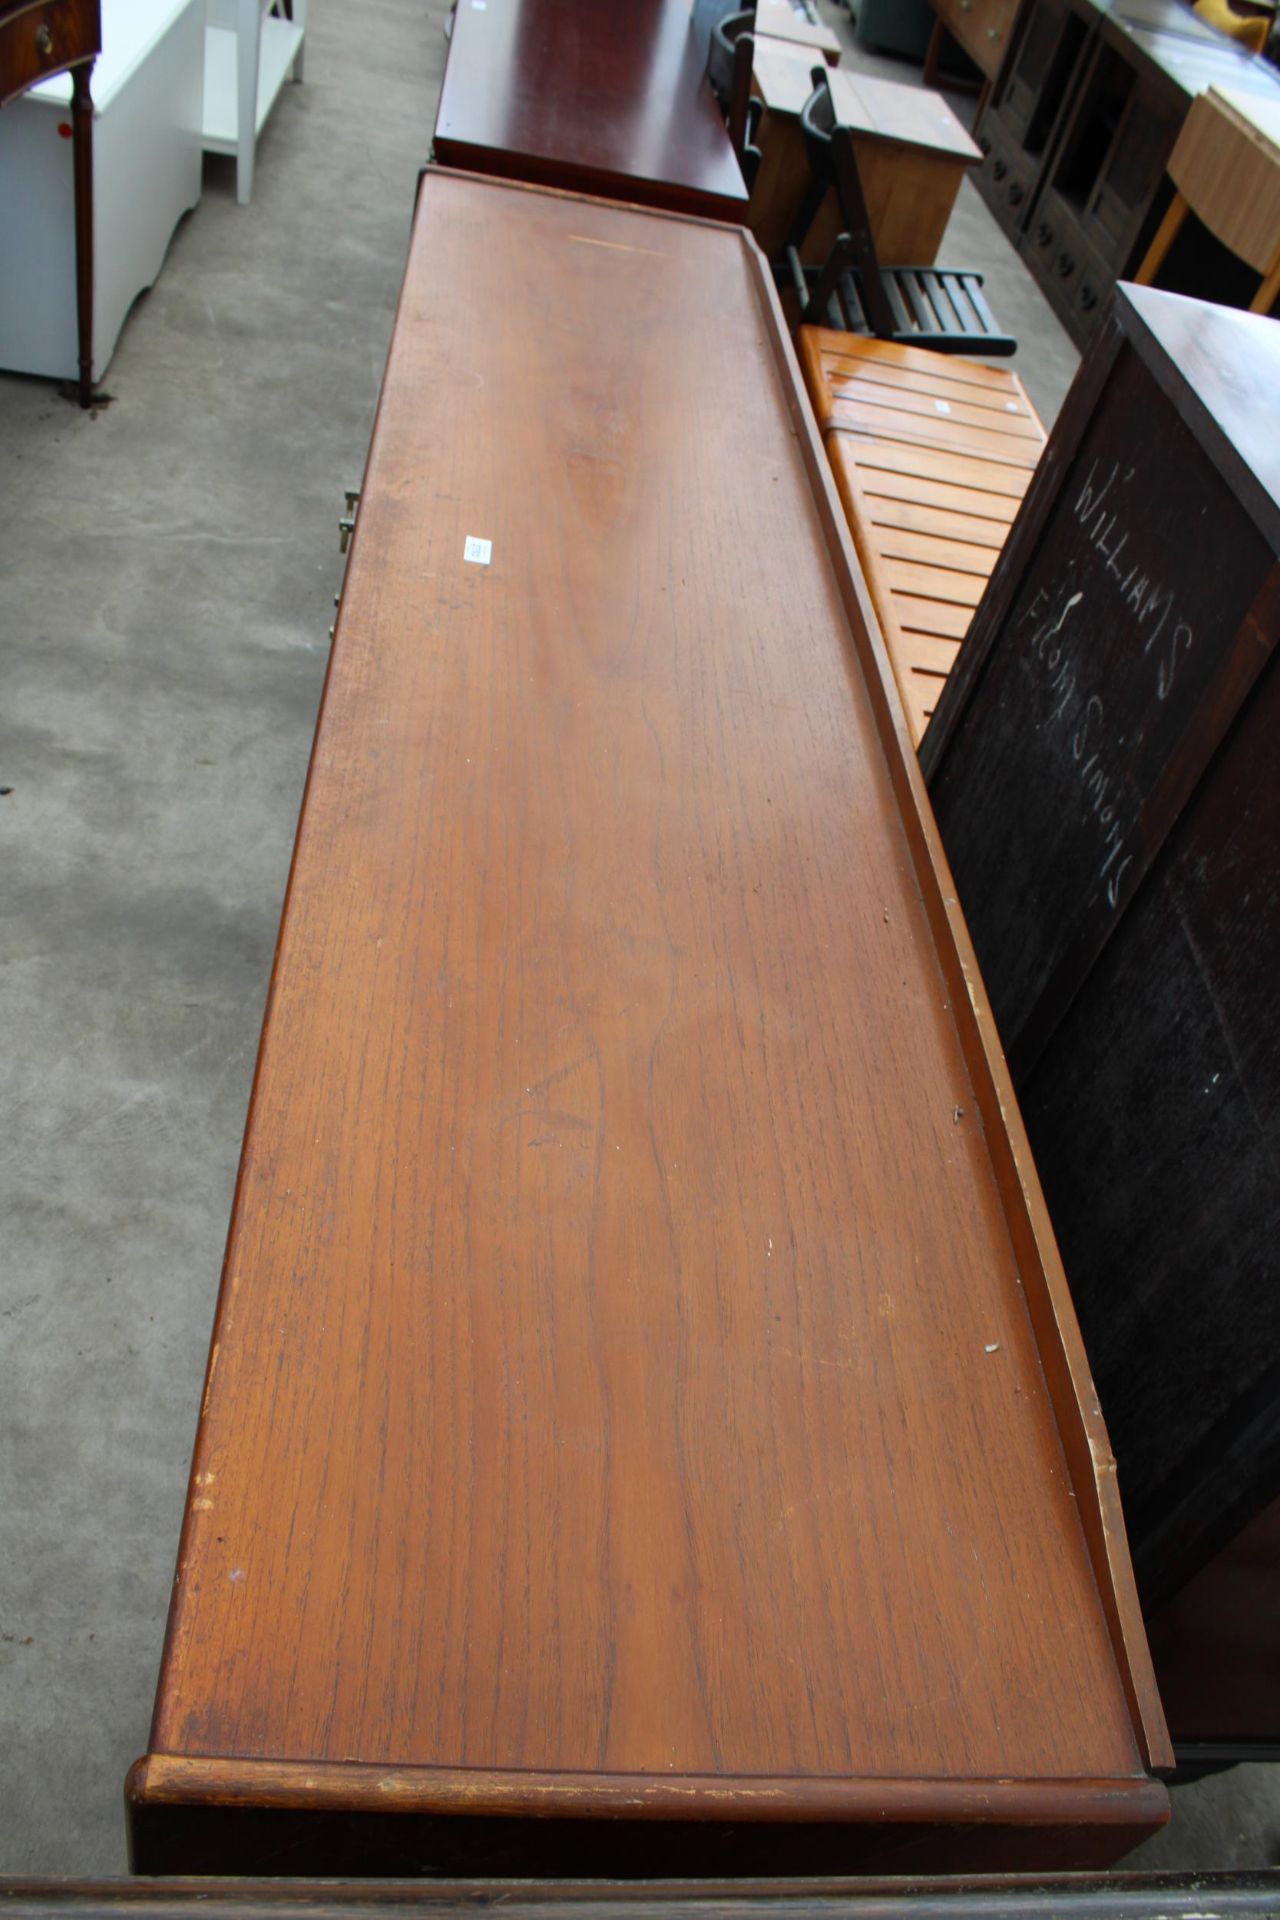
<point>1102,762</point>
<point>609,100</point>
<point>645,1423</point>
<point>40,38</point>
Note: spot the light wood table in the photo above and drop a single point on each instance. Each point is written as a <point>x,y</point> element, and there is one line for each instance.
<point>932,456</point>
<point>646,1428</point>
<point>912,155</point>
<point>1226,167</point>
<point>799,26</point>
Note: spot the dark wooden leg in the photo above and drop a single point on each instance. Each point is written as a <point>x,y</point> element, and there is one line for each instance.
<point>82,128</point>
<point>934,53</point>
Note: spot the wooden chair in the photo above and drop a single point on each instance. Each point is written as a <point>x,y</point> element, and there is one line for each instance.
<point>38,40</point>
<point>935,307</point>
<point>1226,169</point>
<point>730,53</point>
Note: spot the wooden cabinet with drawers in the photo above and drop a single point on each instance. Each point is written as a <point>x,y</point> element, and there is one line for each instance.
<point>1024,115</point>
<point>1105,186</point>
<point>1080,124</point>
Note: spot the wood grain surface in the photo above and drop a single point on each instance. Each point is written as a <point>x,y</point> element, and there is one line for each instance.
<point>782,21</point>
<point>928,541</point>
<point>607,100</point>
<point>912,154</point>
<point>642,1373</point>
<point>39,38</point>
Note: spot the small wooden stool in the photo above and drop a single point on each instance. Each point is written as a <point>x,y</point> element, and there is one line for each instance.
<point>931,457</point>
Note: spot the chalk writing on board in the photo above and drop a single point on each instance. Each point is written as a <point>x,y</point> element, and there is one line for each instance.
<point>1091,754</point>
<point>1149,601</point>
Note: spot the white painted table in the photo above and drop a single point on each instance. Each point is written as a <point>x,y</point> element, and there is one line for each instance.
<point>249,54</point>
<point>147,92</point>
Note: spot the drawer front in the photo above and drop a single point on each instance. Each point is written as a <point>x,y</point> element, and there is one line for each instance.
<point>981,26</point>
<point>44,38</point>
<point>1007,178</point>
<point>1076,277</point>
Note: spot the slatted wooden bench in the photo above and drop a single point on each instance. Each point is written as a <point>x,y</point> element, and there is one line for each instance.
<point>931,456</point>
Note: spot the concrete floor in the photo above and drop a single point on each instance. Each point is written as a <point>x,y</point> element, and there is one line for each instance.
<point>169,564</point>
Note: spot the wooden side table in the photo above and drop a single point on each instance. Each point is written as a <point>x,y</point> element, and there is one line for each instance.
<point>40,38</point>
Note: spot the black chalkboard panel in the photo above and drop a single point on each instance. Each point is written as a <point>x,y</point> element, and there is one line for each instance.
<point>1135,595</point>
<point>1105,767</point>
<point>1154,1115</point>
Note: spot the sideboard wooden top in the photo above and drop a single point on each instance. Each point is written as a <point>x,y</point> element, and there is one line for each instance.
<point>642,1376</point>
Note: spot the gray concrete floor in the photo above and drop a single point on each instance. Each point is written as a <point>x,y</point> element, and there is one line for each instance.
<point>168,566</point>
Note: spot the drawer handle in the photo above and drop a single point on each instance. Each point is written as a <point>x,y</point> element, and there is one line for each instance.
<point>1066,265</point>
<point>1017,194</point>
<point>1088,298</point>
<point>1000,168</point>
<point>1044,234</point>
<point>44,42</point>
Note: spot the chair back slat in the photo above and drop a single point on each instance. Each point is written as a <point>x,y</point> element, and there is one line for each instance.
<point>730,58</point>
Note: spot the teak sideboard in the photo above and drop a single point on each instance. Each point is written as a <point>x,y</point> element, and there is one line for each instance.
<point>646,1428</point>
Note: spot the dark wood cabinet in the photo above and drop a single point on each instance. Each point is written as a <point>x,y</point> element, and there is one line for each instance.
<point>1105,188</point>
<point>1102,763</point>
<point>1082,120</point>
<point>1036,84</point>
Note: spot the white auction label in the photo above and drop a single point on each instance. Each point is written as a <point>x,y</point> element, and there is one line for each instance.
<point>479,552</point>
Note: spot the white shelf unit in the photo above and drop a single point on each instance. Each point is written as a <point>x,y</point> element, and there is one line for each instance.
<point>249,54</point>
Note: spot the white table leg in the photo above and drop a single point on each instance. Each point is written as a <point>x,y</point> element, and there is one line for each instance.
<point>248,39</point>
